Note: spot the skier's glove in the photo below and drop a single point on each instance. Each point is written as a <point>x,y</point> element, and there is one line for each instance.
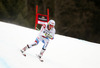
<point>46,34</point>
<point>49,36</point>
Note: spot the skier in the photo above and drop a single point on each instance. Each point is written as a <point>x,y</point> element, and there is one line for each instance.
<point>47,32</point>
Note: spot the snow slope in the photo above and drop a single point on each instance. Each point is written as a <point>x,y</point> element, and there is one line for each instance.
<point>62,52</point>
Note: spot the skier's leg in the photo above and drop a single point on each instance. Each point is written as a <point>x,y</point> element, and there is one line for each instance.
<point>46,41</point>
<point>35,43</point>
<point>30,45</point>
<point>41,52</point>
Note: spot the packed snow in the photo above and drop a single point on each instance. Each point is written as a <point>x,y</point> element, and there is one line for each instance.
<point>62,52</point>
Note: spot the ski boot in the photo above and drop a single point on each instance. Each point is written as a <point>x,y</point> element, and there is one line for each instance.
<point>24,49</point>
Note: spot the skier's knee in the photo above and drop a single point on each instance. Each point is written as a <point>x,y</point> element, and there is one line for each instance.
<point>31,45</point>
<point>36,41</point>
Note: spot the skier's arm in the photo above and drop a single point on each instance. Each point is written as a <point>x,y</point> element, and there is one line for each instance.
<point>51,35</point>
<point>42,31</point>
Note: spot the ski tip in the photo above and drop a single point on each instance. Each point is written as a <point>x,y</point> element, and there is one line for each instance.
<point>23,53</point>
<point>41,60</point>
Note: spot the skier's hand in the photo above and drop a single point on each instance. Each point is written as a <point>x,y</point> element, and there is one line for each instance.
<point>50,36</point>
<point>46,34</point>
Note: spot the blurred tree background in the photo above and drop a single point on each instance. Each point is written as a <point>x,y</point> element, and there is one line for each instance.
<point>74,18</point>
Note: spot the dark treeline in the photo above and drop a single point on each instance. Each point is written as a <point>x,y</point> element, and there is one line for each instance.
<point>75,18</point>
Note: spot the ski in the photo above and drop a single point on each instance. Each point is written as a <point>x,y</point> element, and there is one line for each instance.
<point>37,56</point>
<point>23,53</point>
<point>40,59</point>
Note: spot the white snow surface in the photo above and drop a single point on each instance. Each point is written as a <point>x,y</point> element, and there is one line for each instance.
<point>62,52</point>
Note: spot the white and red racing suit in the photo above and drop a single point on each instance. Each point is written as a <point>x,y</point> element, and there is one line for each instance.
<point>44,36</point>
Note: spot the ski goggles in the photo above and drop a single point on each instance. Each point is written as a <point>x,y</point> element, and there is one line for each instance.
<point>51,25</point>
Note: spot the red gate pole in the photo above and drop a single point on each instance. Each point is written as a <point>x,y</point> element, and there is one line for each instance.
<point>47,15</point>
<point>36,20</point>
